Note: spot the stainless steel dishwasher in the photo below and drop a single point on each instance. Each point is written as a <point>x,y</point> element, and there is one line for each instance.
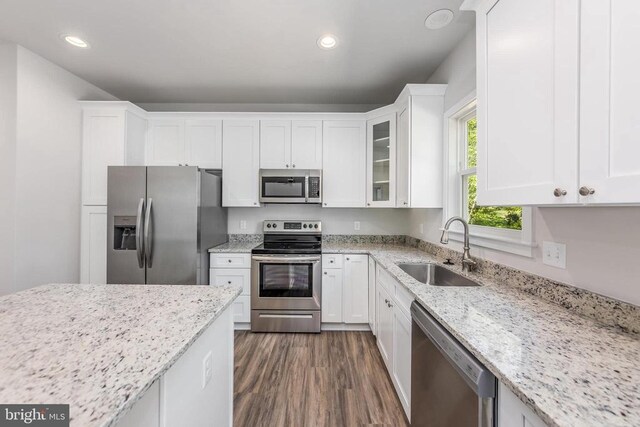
<point>449,387</point>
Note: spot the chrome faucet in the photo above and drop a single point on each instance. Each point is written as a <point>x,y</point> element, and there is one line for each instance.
<point>468,263</point>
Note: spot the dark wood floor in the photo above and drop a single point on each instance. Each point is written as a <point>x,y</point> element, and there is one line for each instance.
<point>332,379</point>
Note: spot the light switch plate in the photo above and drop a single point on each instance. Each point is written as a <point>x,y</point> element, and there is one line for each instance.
<point>207,369</point>
<point>356,225</point>
<point>554,254</point>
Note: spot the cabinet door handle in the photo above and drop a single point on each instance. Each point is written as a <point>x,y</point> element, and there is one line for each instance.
<point>387,301</point>
<point>325,272</point>
<point>293,166</point>
<point>287,165</point>
<point>348,259</point>
<point>229,281</point>
<point>229,260</point>
<point>586,191</point>
<point>368,204</point>
<point>559,192</point>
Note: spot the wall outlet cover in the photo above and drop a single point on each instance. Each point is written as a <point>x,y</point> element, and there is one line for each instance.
<point>243,224</point>
<point>356,225</point>
<point>554,254</point>
<point>207,369</point>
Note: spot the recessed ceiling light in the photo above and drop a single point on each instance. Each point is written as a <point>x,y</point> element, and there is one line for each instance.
<point>75,41</point>
<point>328,41</point>
<point>438,19</point>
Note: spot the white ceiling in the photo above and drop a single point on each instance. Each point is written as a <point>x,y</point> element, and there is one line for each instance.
<point>240,51</point>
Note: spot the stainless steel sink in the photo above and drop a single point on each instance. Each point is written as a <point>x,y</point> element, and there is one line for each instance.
<point>435,275</point>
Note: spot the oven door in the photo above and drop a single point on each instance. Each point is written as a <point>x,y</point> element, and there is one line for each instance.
<point>283,189</point>
<point>281,282</point>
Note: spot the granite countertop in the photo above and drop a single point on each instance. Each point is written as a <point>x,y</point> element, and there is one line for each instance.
<point>238,247</point>
<point>569,369</point>
<point>98,348</point>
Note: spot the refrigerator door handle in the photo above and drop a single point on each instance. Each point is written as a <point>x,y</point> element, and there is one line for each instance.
<point>148,238</point>
<point>139,241</point>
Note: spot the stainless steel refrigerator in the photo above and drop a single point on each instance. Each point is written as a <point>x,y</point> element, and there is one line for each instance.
<point>161,222</point>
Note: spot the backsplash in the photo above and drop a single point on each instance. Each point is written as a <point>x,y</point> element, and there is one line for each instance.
<point>364,238</point>
<point>604,309</point>
<point>245,238</point>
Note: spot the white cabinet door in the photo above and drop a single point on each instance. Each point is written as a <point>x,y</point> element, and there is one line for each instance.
<point>372,295</point>
<point>240,162</point>
<point>275,144</point>
<point>306,145</point>
<point>527,73</point>
<point>103,145</point>
<point>332,295</point>
<point>381,161</point>
<point>609,88</point>
<point>203,143</point>
<point>344,163</point>
<point>513,413</point>
<point>402,357</point>
<point>355,302</point>
<point>166,143</point>
<point>402,154</point>
<point>93,245</point>
<point>385,327</point>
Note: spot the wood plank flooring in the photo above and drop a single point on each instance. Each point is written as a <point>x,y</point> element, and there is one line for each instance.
<point>333,379</point>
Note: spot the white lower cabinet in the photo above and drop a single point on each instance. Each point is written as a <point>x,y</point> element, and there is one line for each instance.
<point>332,295</point>
<point>393,333</point>
<point>234,269</point>
<point>184,395</point>
<point>345,287</point>
<point>93,245</point>
<point>512,412</point>
<point>372,295</point>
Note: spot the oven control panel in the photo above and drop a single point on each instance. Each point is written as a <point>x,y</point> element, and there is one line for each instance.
<point>292,226</point>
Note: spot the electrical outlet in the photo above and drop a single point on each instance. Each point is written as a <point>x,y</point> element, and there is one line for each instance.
<point>356,225</point>
<point>243,224</point>
<point>207,369</point>
<point>421,228</point>
<point>554,254</point>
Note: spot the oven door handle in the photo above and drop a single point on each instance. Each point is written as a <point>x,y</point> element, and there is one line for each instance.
<point>280,260</point>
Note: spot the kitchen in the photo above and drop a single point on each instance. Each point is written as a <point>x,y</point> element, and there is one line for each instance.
<point>301,173</point>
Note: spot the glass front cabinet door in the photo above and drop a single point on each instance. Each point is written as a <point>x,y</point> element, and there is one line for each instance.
<point>381,161</point>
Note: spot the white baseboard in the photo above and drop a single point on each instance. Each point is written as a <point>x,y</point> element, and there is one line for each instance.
<point>240,326</point>
<point>345,327</point>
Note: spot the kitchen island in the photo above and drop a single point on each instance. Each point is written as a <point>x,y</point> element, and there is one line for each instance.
<point>111,352</point>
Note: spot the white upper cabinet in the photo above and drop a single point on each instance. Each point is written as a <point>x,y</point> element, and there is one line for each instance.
<point>275,144</point>
<point>203,143</point>
<point>527,74</point>
<point>286,144</point>
<point>419,146</point>
<point>609,90</point>
<point>306,147</point>
<point>344,163</point>
<point>166,142</point>
<point>240,162</point>
<point>381,161</point>
<point>113,134</point>
<point>177,141</point>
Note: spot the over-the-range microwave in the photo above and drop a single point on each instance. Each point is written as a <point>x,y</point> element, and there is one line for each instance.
<point>290,186</point>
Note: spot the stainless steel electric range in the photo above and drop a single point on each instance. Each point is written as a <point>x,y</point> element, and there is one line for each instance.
<point>286,279</point>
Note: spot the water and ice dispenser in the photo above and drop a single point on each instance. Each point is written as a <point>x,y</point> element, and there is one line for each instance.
<point>124,233</point>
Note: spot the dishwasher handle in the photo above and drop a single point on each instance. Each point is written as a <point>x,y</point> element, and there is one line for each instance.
<point>479,378</point>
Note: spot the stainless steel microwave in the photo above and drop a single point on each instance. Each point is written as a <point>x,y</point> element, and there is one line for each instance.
<point>290,186</point>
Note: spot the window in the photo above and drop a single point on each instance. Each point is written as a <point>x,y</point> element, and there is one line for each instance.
<point>505,228</point>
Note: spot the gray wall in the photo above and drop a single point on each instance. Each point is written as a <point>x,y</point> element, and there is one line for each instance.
<point>46,176</point>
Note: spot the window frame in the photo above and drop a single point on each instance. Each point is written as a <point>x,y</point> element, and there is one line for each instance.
<point>519,242</point>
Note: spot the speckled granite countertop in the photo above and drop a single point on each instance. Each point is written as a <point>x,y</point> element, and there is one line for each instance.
<point>571,370</point>
<point>238,247</point>
<point>98,347</point>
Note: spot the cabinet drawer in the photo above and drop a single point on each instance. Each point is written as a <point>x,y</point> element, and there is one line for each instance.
<point>331,261</point>
<point>385,280</point>
<point>230,261</point>
<point>403,299</point>
<point>242,309</point>
<point>231,276</point>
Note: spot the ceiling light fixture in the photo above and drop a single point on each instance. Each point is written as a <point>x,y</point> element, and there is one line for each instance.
<point>75,41</point>
<point>328,41</point>
<point>438,19</point>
